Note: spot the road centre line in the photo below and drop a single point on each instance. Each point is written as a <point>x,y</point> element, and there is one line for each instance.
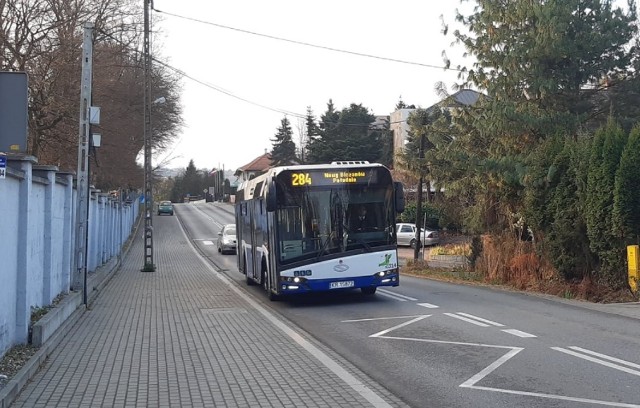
<point>397,294</point>
<point>604,356</point>
<point>466,319</point>
<point>491,322</point>
<point>428,305</point>
<point>206,216</point>
<point>519,333</point>
<point>391,295</point>
<point>597,361</point>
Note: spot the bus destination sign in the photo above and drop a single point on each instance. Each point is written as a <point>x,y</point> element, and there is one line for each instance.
<point>332,177</point>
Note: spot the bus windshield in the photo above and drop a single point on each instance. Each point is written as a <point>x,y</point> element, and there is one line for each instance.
<point>316,221</point>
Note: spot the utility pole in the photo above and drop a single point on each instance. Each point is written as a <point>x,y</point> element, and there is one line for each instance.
<point>148,265</point>
<point>82,183</point>
<point>419,234</point>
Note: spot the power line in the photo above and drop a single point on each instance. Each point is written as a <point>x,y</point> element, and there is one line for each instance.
<point>184,74</point>
<point>221,90</point>
<point>360,54</point>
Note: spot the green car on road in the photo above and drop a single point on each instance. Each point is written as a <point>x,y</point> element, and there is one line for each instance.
<point>165,207</point>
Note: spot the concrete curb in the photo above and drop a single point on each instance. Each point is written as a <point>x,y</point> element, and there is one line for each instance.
<point>52,328</point>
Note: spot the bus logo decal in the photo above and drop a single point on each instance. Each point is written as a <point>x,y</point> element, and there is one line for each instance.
<point>341,267</point>
<point>387,259</point>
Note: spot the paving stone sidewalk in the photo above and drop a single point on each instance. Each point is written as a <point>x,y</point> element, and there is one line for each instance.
<point>184,337</point>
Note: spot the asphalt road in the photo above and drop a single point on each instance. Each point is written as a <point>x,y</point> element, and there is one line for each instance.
<point>438,344</point>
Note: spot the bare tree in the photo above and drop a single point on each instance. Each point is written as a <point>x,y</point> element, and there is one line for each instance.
<point>43,38</point>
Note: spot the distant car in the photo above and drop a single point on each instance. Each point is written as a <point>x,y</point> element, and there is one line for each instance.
<point>406,233</point>
<point>227,239</point>
<point>165,207</point>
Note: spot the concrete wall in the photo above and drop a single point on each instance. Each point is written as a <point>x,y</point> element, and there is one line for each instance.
<point>37,226</point>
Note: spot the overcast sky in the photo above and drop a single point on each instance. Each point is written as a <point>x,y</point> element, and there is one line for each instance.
<point>253,80</point>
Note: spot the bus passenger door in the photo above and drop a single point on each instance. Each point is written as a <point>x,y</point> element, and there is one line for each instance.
<point>257,237</point>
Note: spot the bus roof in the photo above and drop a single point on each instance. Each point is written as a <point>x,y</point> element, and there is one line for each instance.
<point>250,185</point>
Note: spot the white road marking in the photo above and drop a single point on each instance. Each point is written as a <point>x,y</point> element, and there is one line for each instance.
<point>371,319</point>
<point>399,326</point>
<point>519,333</point>
<point>455,343</point>
<point>392,296</point>
<point>466,319</point>
<point>358,386</point>
<point>428,305</point>
<point>397,294</point>
<point>491,368</point>
<point>481,319</point>
<point>207,242</point>
<point>206,216</point>
<point>606,357</point>
<point>598,361</point>
<point>557,397</point>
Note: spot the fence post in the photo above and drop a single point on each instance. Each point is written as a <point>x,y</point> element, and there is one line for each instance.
<point>23,310</point>
<point>47,172</point>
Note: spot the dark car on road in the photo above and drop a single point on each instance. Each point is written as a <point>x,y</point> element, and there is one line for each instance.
<point>165,207</point>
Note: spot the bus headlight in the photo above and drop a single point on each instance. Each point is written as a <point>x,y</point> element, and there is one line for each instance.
<point>291,279</point>
<point>388,272</point>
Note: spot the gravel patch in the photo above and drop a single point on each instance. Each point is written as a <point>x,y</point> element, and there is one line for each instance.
<point>13,361</point>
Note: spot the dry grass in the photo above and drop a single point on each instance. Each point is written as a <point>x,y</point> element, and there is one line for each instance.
<point>463,249</point>
<point>507,262</point>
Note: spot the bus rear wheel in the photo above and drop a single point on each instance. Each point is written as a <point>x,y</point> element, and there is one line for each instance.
<point>370,290</point>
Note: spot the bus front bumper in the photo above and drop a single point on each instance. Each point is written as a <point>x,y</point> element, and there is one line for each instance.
<point>302,285</point>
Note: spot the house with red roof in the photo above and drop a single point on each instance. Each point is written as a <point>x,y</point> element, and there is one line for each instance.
<point>254,168</point>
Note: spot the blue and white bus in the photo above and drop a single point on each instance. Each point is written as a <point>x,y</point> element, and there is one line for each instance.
<point>299,230</point>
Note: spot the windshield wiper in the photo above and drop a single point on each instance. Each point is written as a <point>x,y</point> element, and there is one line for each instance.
<point>366,246</point>
<point>324,246</point>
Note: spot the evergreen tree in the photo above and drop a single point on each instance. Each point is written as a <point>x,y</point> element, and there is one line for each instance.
<point>534,60</point>
<point>284,148</point>
<point>319,146</point>
<point>386,139</point>
<point>535,57</point>
<point>357,140</point>
<point>346,135</point>
<point>605,158</point>
<point>191,182</point>
<point>626,203</point>
<point>313,135</point>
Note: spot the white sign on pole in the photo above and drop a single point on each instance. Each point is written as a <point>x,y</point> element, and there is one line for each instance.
<point>3,167</point>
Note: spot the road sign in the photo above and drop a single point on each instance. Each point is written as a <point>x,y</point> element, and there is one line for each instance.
<point>3,167</point>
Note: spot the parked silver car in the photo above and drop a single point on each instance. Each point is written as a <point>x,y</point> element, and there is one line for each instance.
<point>227,239</point>
<point>407,235</point>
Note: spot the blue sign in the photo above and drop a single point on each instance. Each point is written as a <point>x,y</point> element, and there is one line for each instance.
<point>142,199</point>
<point>3,167</point>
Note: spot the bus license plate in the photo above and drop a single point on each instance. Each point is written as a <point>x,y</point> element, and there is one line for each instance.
<point>342,284</point>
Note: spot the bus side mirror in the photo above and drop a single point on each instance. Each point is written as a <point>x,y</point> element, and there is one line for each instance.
<point>271,197</point>
<point>399,195</point>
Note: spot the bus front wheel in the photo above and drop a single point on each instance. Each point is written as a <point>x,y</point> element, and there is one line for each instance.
<point>370,290</point>
<point>250,281</point>
<point>267,287</point>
